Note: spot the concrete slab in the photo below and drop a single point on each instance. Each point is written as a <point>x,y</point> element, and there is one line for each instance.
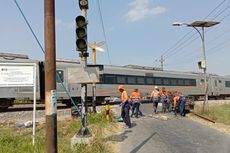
<point>76,139</point>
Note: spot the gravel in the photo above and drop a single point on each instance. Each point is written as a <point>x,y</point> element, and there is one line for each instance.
<point>23,116</point>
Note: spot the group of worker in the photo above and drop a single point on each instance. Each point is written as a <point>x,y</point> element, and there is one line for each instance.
<point>170,102</point>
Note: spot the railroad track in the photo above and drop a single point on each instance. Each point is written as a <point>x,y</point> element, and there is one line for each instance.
<point>203,117</point>
<point>29,107</point>
<point>18,108</point>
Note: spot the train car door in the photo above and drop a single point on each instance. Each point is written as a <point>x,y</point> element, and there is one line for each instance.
<point>215,86</point>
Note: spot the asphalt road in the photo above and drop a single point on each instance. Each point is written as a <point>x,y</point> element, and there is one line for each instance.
<point>175,135</point>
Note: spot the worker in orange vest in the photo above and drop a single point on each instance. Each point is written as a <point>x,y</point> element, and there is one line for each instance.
<point>164,99</point>
<point>136,101</point>
<point>182,100</point>
<point>176,101</point>
<point>125,106</point>
<point>155,98</point>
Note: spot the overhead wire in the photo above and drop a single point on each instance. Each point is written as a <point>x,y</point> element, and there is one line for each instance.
<point>220,12</point>
<point>217,37</point>
<point>103,29</point>
<point>176,47</point>
<point>42,49</point>
<point>183,37</point>
<point>210,51</point>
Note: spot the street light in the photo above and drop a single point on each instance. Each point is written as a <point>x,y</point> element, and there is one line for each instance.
<point>202,24</point>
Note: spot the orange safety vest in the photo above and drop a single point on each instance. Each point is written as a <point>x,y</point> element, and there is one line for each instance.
<point>176,100</point>
<point>124,96</point>
<point>135,97</point>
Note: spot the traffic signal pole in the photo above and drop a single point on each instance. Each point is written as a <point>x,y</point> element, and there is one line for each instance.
<point>50,78</point>
<point>84,131</point>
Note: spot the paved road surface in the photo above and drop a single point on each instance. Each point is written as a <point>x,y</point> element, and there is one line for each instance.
<point>176,135</point>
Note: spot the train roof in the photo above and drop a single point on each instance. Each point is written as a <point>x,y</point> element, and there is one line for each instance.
<point>110,68</point>
<point>10,56</point>
<point>16,58</point>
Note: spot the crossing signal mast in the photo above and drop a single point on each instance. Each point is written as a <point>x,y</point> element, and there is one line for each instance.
<point>81,46</point>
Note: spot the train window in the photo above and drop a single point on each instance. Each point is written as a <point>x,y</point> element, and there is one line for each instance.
<point>61,76</point>
<point>227,83</point>
<point>193,82</point>
<point>165,81</point>
<point>173,82</point>
<point>121,79</point>
<point>216,83</point>
<point>202,80</point>
<point>220,81</point>
<point>158,81</point>
<point>180,82</point>
<point>140,80</point>
<point>131,80</point>
<point>187,82</point>
<point>149,81</point>
<point>109,79</point>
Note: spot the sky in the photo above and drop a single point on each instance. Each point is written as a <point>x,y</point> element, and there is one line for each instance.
<point>137,32</point>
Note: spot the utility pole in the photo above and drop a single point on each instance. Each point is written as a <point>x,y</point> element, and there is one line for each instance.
<point>162,62</point>
<point>50,78</point>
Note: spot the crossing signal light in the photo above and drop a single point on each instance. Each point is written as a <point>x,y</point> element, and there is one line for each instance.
<point>201,64</point>
<point>81,34</point>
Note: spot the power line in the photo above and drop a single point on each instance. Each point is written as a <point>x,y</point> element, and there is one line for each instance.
<point>196,53</point>
<point>214,9</point>
<point>217,37</point>
<point>42,49</point>
<point>176,44</point>
<point>221,12</point>
<point>28,24</point>
<point>103,28</point>
<point>219,45</point>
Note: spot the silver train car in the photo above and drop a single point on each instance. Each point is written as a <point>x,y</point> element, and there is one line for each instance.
<point>145,78</point>
<point>10,94</point>
<point>131,76</point>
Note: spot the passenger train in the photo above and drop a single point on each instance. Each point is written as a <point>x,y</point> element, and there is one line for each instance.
<point>131,76</point>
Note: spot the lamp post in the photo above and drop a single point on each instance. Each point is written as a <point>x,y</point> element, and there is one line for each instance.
<point>202,25</point>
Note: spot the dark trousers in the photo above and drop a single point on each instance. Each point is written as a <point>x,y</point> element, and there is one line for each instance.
<point>155,104</point>
<point>177,108</point>
<point>136,109</point>
<point>125,114</point>
<point>182,108</point>
<point>164,106</point>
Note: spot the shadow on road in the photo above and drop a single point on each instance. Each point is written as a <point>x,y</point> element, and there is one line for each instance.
<point>143,143</point>
<point>119,138</point>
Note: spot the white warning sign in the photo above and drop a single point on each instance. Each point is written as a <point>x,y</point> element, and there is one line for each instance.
<point>16,75</point>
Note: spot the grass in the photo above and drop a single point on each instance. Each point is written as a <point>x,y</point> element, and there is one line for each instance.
<point>219,113</point>
<point>20,141</point>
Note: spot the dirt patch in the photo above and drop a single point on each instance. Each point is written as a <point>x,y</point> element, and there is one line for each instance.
<point>109,132</point>
<point>218,126</point>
